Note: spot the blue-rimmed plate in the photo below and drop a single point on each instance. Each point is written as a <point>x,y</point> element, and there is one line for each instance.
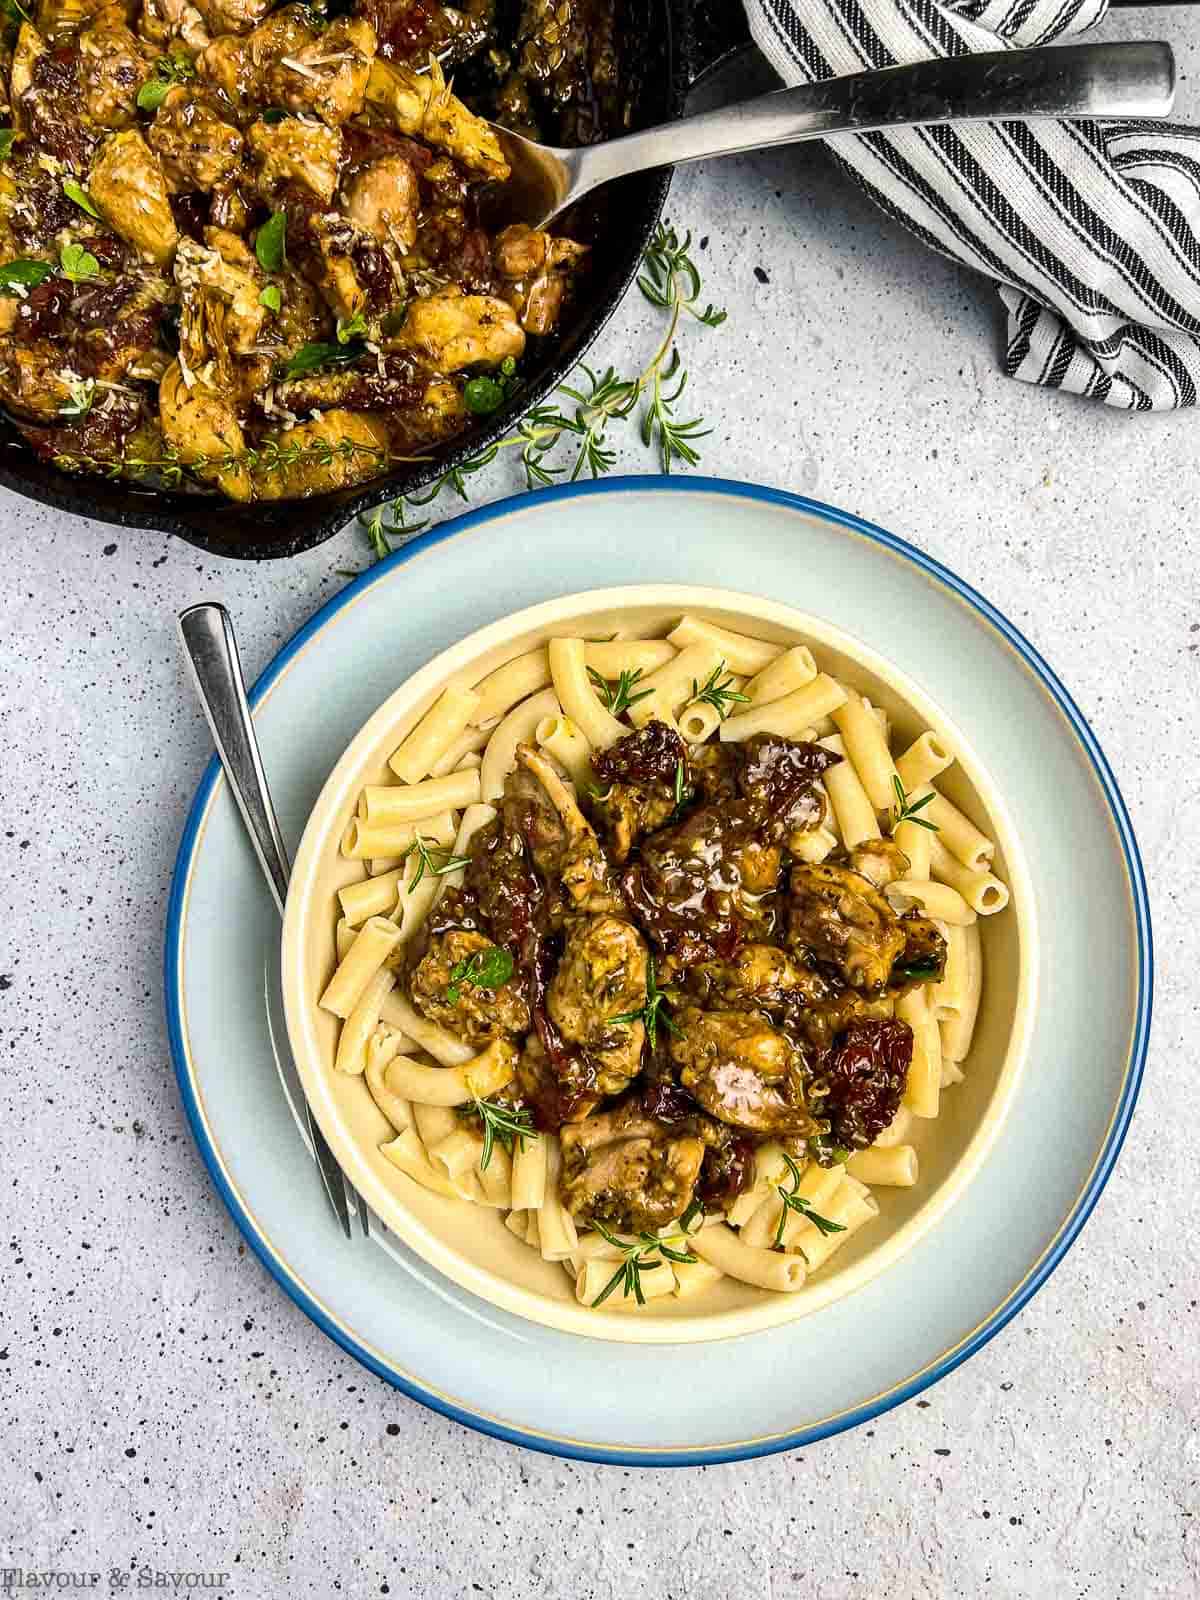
<point>959,1285</point>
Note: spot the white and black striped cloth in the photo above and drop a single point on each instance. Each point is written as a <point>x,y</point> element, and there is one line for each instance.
<point>1091,229</point>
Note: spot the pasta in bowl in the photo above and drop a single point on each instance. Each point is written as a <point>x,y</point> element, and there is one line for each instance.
<point>659,963</point>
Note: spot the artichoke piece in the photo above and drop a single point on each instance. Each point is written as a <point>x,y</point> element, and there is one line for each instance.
<point>422,105</point>
<point>202,428</point>
<point>130,188</point>
<point>328,75</point>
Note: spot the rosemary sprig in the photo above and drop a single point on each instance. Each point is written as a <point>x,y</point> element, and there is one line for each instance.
<point>381,533</point>
<point>654,1011</point>
<point>510,1124</point>
<point>425,850</point>
<point>622,697</point>
<point>671,276</point>
<point>903,811</point>
<point>635,1260</point>
<point>717,692</point>
<point>682,791</point>
<point>797,1203</point>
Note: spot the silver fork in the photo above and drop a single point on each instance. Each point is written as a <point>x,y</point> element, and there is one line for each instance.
<point>212,654</point>
<point>1079,80</point>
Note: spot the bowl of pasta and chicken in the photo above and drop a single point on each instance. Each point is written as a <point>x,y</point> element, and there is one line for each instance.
<point>659,963</point>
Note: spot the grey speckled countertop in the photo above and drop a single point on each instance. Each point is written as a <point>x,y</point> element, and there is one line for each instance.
<point>163,1405</point>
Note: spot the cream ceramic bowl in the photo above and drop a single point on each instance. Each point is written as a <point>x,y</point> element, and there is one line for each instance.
<point>470,1243</point>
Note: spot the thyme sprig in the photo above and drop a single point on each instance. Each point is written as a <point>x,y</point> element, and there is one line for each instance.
<point>635,1260</point>
<point>672,277</point>
<point>512,1125</point>
<point>271,456</point>
<point>792,1201</point>
<point>654,1011</point>
<point>906,811</point>
<point>718,692</point>
<point>425,850</point>
<point>621,697</point>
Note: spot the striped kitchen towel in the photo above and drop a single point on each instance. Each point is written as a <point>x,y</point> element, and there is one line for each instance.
<point>1090,228</point>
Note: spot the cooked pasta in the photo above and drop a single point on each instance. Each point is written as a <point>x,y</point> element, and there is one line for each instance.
<point>672,976</point>
<point>444,723</point>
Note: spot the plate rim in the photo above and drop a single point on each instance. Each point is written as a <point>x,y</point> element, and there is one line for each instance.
<point>1064,1235</point>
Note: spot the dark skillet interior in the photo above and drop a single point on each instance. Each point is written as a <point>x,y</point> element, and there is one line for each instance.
<point>668,44</point>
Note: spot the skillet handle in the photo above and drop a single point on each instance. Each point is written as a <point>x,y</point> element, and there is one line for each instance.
<point>709,33</point>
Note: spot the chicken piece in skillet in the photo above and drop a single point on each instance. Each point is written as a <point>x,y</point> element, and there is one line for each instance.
<point>343,448</point>
<point>347,266</point>
<point>232,16</point>
<point>295,151</point>
<point>537,268</point>
<point>838,918</point>
<point>384,198</point>
<point>197,147</point>
<point>327,75</point>
<point>450,330</point>
<point>474,1012</point>
<point>113,65</point>
<point>583,869</point>
<point>422,105</point>
<point>129,188</point>
<point>174,22</point>
<point>628,1171</point>
<point>240,65</point>
<point>742,1070</point>
<point>638,782</point>
<point>602,975</point>
<point>54,19</point>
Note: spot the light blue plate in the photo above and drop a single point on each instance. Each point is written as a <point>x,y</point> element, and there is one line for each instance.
<point>960,1284</point>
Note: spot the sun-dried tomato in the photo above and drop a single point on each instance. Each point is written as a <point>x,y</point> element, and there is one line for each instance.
<point>866,1071</point>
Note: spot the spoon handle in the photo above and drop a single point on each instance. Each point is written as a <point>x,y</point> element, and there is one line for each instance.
<point>212,653</point>
<point>1082,80</point>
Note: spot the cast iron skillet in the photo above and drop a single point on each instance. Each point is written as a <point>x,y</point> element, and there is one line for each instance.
<point>672,44</point>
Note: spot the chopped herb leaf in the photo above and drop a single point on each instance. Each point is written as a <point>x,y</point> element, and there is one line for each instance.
<point>75,191</point>
<point>78,264</point>
<point>271,297</point>
<point>486,969</point>
<point>310,357</point>
<point>351,328</point>
<point>8,137</point>
<point>270,242</point>
<point>23,274</point>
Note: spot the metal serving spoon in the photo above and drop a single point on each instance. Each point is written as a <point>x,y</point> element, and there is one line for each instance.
<point>212,653</point>
<point>1081,80</point>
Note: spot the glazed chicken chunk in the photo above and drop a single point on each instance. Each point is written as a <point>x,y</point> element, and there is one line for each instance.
<point>293,150</point>
<point>602,975</point>
<point>475,1012</point>
<point>838,917</point>
<point>129,187</point>
<point>627,1170</point>
<point>742,1070</point>
<point>421,104</point>
<point>583,870</point>
<point>453,330</point>
<point>197,147</point>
